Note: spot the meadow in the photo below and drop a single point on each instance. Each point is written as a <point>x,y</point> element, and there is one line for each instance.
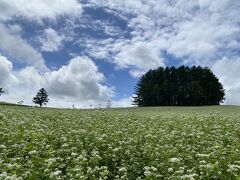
<point>132,143</point>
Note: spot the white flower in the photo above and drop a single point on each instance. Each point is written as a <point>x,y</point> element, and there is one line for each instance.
<point>174,160</point>
<point>2,146</point>
<point>170,170</point>
<point>32,152</point>
<point>74,154</point>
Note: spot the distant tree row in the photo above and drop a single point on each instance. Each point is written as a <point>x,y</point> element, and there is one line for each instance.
<point>182,86</point>
<point>41,98</point>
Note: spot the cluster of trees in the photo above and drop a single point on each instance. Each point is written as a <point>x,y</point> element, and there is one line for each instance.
<point>182,86</point>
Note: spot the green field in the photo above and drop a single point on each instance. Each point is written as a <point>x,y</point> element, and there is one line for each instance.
<point>133,143</point>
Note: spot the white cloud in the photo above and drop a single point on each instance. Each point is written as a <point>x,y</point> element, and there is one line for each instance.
<point>51,41</point>
<point>198,32</point>
<point>37,10</point>
<point>78,83</point>
<point>5,73</point>
<point>228,72</point>
<point>29,78</point>
<point>135,56</point>
<point>203,32</point>
<point>80,79</point>
<point>200,40</point>
<point>16,47</point>
<point>124,102</point>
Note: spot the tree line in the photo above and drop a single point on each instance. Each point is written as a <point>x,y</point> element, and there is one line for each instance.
<point>41,98</point>
<point>182,86</point>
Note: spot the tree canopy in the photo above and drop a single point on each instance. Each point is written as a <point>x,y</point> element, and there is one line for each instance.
<point>1,91</point>
<point>182,86</point>
<point>41,97</point>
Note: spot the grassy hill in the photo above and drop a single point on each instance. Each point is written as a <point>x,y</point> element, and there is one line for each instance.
<point>10,104</point>
<point>126,143</point>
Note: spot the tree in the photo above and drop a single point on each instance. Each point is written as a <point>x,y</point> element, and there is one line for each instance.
<point>109,104</point>
<point>41,97</point>
<point>1,91</point>
<point>182,86</point>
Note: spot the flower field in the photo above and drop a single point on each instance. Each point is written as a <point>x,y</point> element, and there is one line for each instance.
<point>136,143</point>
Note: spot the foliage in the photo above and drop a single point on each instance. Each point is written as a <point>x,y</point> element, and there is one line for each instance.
<point>137,143</point>
<point>41,97</point>
<point>109,104</point>
<point>1,91</point>
<point>181,86</point>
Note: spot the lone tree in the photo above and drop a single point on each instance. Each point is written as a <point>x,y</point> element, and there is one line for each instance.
<point>1,91</point>
<point>109,104</point>
<point>41,97</point>
<point>182,86</point>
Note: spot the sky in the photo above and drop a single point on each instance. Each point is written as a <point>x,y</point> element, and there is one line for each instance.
<point>86,52</point>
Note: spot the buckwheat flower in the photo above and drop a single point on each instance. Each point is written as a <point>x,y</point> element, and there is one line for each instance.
<point>122,169</point>
<point>203,155</point>
<point>190,176</point>
<point>147,171</point>
<point>2,146</point>
<point>115,149</point>
<point>55,173</point>
<point>170,170</point>
<point>233,167</point>
<point>32,152</point>
<point>179,172</point>
<point>13,177</point>
<point>3,175</point>
<point>174,160</point>
<point>65,145</point>
<point>154,169</point>
<point>9,165</point>
<point>74,154</point>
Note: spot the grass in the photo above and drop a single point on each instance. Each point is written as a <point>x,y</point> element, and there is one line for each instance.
<point>126,143</point>
<point>11,104</point>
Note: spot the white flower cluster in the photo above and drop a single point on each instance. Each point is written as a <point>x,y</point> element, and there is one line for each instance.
<point>151,143</point>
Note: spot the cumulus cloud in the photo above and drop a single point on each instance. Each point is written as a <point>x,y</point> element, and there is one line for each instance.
<point>79,82</point>
<point>5,72</point>
<point>80,79</point>
<point>51,40</point>
<point>228,72</point>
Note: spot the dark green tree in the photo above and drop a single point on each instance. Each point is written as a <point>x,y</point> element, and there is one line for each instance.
<point>41,97</point>
<point>1,91</point>
<point>182,86</point>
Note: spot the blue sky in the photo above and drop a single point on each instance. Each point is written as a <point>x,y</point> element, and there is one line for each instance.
<point>87,52</point>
